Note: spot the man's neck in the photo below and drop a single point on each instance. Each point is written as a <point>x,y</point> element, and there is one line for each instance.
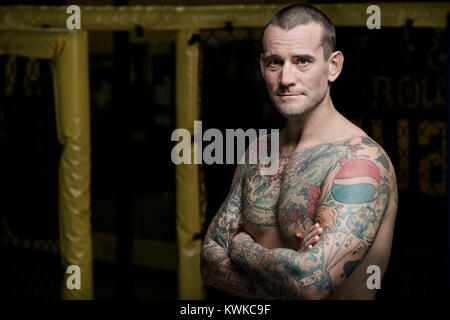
<point>308,129</point>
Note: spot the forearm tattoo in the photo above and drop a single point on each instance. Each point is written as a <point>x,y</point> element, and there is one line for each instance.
<point>216,266</point>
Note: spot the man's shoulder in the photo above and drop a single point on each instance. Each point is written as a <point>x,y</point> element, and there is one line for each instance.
<point>363,157</point>
<point>369,149</point>
<point>362,174</point>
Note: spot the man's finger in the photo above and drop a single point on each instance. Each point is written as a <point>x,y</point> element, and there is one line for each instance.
<point>312,242</point>
<point>308,245</point>
<point>314,226</point>
<point>300,235</point>
<point>316,232</point>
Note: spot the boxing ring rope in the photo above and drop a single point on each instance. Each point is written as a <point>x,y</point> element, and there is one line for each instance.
<point>69,59</point>
<point>73,128</point>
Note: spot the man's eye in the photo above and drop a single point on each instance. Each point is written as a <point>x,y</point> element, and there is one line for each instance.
<point>274,63</point>
<point>303,61</point>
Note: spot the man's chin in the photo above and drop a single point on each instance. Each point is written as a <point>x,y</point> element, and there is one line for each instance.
<point>290,113</point>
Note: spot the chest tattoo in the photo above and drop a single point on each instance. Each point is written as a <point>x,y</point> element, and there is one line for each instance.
<point>291,196</point>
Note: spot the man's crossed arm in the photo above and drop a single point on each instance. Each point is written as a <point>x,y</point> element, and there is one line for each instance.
<point>216,266</point>
<point>350,214</point>
<point>218,270</point>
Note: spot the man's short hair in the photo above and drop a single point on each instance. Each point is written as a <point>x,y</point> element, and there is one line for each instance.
<point>299,14</point>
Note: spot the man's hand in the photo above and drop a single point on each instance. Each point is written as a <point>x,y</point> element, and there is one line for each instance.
<point>308,241</point>
<point>313,236</point>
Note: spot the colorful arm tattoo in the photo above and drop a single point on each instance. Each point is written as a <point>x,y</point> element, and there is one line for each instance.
<point>216,266</point>
<point>356,198</point>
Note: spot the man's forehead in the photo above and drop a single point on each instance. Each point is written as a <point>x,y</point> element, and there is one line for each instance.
<point>306,37</point>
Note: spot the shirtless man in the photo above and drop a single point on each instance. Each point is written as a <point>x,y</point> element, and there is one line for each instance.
<point>264,242</point>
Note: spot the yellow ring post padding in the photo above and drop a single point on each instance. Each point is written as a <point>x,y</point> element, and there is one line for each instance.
<point>188,215</point>
<point>393,14</point>
<point>68,53</point>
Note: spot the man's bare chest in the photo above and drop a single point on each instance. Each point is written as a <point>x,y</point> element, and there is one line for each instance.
<point>286,202</point>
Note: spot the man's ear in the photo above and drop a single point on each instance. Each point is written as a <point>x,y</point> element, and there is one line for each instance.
<point>261,64</point>
<point>335,63</point>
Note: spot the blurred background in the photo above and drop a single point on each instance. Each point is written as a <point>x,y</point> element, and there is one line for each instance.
<point>393,86</point>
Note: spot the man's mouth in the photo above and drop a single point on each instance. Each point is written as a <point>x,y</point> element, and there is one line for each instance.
<point>289,94</point>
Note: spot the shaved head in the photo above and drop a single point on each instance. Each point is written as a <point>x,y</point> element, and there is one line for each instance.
<point>300,14</point>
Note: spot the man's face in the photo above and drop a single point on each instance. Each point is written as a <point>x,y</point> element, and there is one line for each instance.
<point>294,68</point>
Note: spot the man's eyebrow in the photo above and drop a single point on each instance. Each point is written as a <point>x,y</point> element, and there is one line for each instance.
<point>304,56</point>
<point>271,57</point>
<point>297,56</point>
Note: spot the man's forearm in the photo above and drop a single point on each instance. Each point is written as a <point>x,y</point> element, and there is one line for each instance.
<point>276,270</point>
<point>220,272</point>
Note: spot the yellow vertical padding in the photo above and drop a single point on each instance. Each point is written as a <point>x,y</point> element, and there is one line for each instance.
<point>71,83</point>
<point>188,215</point>
<point>68,54</point>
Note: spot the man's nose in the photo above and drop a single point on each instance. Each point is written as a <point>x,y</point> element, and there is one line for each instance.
<point>287,77</point>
